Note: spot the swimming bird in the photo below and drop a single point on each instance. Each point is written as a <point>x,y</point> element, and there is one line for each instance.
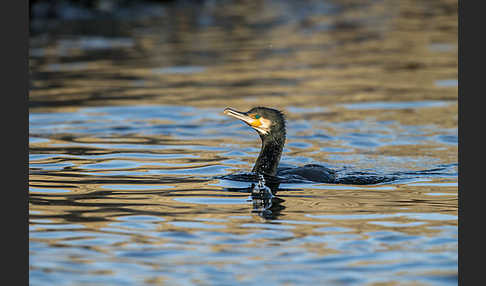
<point>269,123</point>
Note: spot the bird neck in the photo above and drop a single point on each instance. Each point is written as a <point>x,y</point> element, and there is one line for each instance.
<point>269,158</point>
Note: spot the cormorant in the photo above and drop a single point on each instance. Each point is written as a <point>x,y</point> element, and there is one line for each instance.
<point>270,125</point>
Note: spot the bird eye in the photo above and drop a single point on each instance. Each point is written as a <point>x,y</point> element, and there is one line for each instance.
<point>257,116</point>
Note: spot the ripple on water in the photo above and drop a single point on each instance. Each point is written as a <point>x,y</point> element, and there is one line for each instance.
<point>395,105</point>
<point>136,187</point>
<point>397,224</point>
<point>48,190</point>
<point>195,225</point>
<point>126,193</point>
<point>150,222</point>
<point>179,70</point>
<point>112,164</point>
<point>213,201</point>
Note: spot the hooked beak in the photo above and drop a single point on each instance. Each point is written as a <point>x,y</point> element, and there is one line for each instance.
<point>252,122</point>
<point>239,115</point>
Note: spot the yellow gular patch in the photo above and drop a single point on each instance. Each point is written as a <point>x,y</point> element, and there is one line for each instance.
<point>256,123</point>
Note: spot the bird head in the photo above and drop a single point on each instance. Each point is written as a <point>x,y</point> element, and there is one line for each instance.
<point>268,122</point>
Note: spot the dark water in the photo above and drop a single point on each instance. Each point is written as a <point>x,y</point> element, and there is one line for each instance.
<point>128,144</point>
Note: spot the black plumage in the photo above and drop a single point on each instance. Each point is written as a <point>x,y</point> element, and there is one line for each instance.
<point>271,126</point>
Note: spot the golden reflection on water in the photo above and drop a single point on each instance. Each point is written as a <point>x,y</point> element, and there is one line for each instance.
<point>383,51</point>
<point>120,193</point>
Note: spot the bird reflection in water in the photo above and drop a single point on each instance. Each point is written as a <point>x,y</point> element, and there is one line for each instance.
<point>264,202</point>
<point>262,192</point>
